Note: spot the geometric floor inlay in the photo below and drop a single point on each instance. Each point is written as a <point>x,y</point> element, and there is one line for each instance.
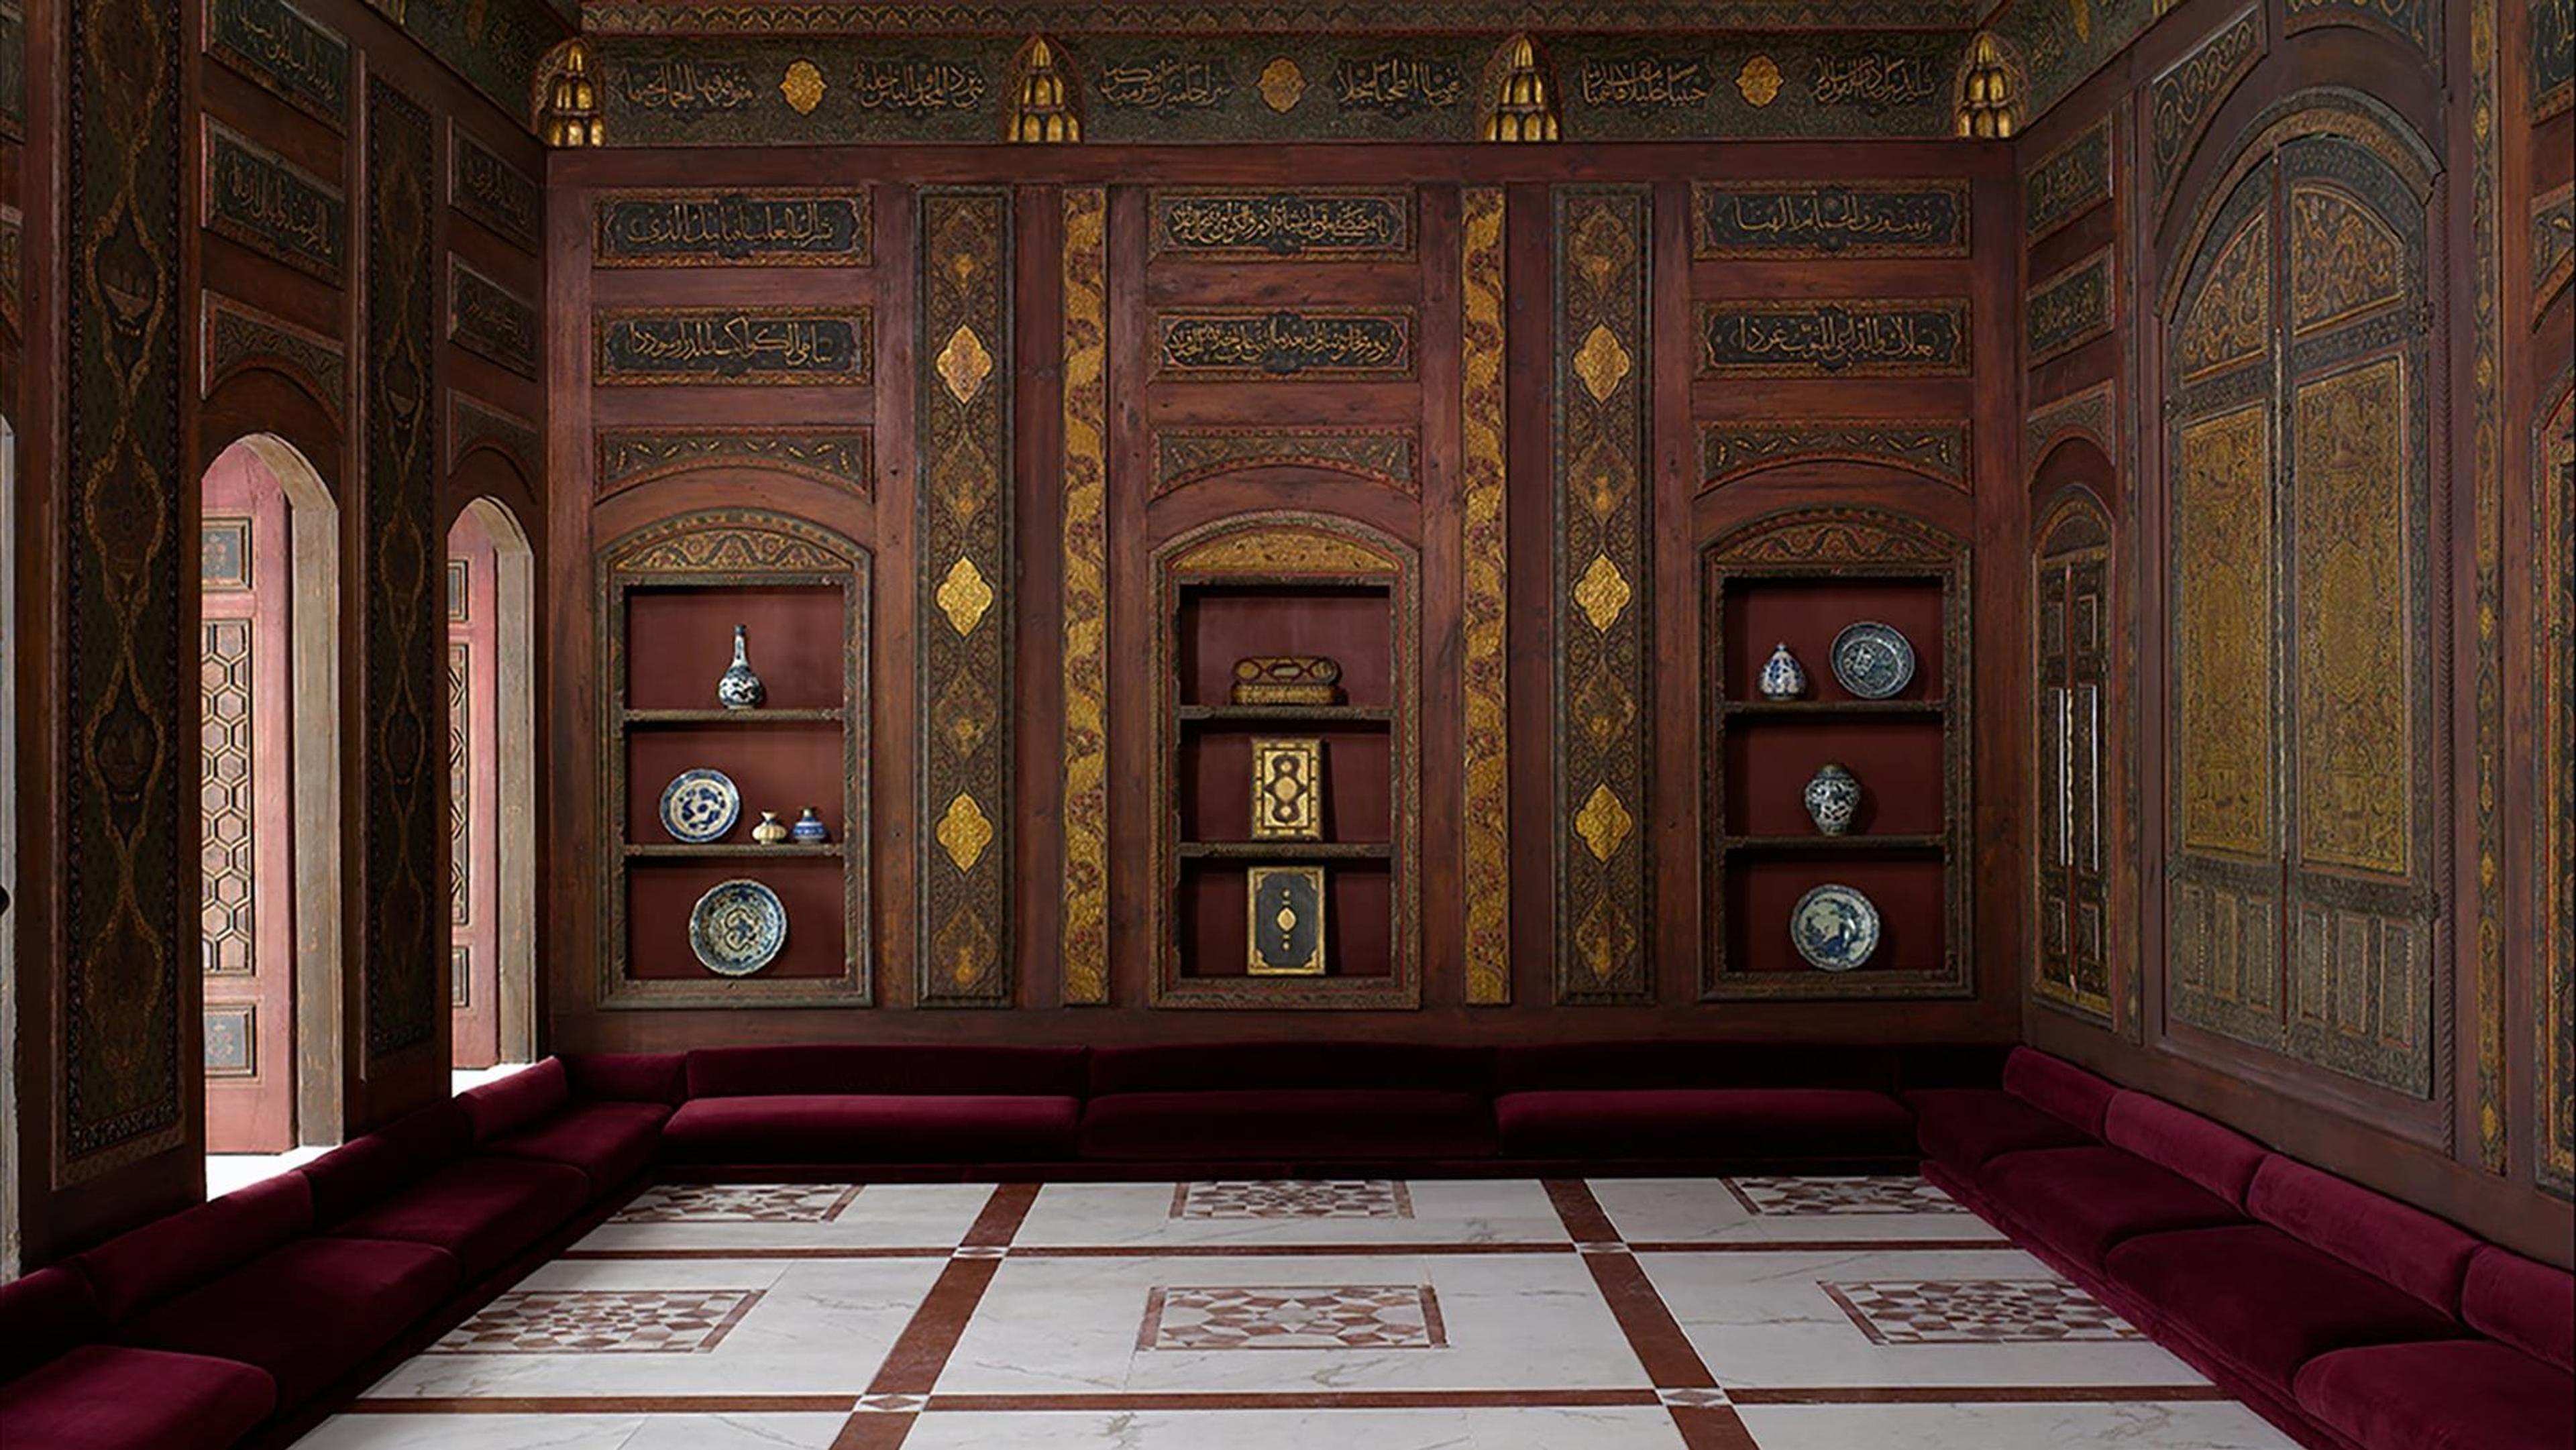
<point>740,1203</point>
<point>1827,1196</point>
<point>1977,1311</point>
<point>1341,1199</point>
<point>1360,1316</point>
<point>601,1321</point>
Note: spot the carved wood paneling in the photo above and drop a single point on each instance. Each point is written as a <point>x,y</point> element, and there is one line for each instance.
<point>236,337</point>
<point>404,939</point>
<point>965,593</point>
<point>125,897</point>
<point>1083,935</point>
<point>1485,548</point>
<point>2185,99</point>
<point>1602,691</point>
<point>1732,450</point>
<point>284,52</point>
<point>2067,182</point>
<point>844,457</point>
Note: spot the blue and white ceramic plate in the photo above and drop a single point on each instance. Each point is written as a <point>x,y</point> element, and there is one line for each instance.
<point>1835,928</point>
<point>699,806</point>
<point>738,927</point>
<point>1872,660</point>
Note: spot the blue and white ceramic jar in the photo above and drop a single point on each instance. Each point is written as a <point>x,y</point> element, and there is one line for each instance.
<point>809,829</point>
<point>1833,798</point>
<point>1783,678</point>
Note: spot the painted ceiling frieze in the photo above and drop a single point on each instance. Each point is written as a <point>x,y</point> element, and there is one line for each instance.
<point>1805,219</point>
<point>496,45</point>
<point>2061,42</point>
<point>1220,17</point>
<point>285,52</point>
<point>743,87</point>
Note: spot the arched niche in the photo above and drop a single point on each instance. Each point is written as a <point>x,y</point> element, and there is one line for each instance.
<point>2075,762</point>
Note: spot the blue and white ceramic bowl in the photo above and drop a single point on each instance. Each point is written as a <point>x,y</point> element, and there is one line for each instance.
<point>1873,661</point>
<point>738,927</point>
<point>699,806</point>
<point>1835,928</point>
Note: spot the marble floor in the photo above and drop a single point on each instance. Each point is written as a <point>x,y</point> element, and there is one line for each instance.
<point>1717,1314</point>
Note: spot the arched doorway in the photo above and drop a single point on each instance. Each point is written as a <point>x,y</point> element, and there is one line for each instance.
<point>269,799</point>
<point>491,740</point>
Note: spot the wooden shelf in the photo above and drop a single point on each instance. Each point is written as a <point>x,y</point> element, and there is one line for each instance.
<point>684,851</point>
<point>1287,851</point>
<point>1308,714</point>
<point>1837,843</point>
<point>734,717</point>
<point>1813,709</point>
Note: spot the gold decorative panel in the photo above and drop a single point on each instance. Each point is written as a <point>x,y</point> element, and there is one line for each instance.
<point>1083,936</point>
<point>2355,648</point>
<point>1485,883</point>
<point>1604,559</point>
<point>1288,789</point>
<point>2230,325</point>
<point>2223,636</point>
<point>2344,261</point>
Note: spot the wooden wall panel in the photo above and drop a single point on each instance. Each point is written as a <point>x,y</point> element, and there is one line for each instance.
<point>236,340</point>
<point>2324,1001</point>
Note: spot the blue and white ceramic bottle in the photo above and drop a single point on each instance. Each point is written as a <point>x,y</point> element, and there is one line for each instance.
<point>738,688</point>
<point>1783,678</point>
<point>809,829</point>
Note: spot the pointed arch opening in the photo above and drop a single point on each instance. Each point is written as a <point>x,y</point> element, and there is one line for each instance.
<point>492,815</point>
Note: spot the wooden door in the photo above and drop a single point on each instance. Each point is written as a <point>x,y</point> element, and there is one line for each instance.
<point>246,798</point>
<point>473,768</point>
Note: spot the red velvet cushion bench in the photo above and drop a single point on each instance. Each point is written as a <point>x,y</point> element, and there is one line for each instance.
<point>1712,1103</point>
<point>878,1105</point>
<point>2163,1169</point>
<point>58,1391</point>
<point>602,1114</point>
<point>2513,1391</point>
<point>1287,1103</point>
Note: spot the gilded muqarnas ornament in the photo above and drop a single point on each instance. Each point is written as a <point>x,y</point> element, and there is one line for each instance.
<point>1042,108</point>
<point>572,101</point>
<point>1525,108</point>
<point>1990,92</point>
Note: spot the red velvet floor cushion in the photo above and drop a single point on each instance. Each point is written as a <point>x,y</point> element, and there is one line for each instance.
<point>2469,1394</point>
<point>611,1142</point>
<point>1705,1123</point>
<point>2081,1201</point>
<point>871,1128</point>
<point>107,1397</point>
<point>306,1313</point>
<point>1964,1128</point>
<point>2266,1302</point>
<point>1271,1125</point>
<point>482,1210</point>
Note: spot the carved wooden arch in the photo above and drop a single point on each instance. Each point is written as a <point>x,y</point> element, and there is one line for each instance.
<point>841,458</point>
<point>476,426</point>
<point>2074,518</point>
<point>717,544</point>
<point>1388,456</point>
<point>235,339</point>
<point>2075,459</point>
<point>1933,450</point>
<point>1838,535</point>
<point>1309,544</point>
<point>2334,111</point>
